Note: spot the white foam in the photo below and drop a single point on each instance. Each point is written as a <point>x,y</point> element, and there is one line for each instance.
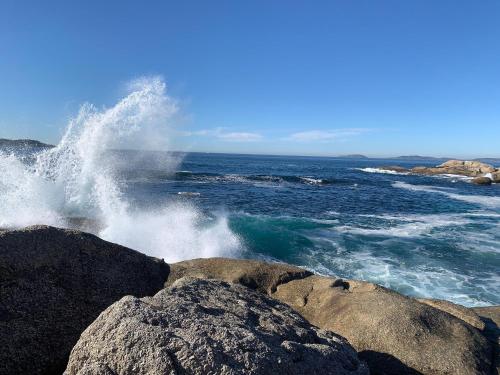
<point>381,170</point>
<point>483,200</point>
<point>76,179</point>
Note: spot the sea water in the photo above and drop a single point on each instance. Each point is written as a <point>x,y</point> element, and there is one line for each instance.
<point>435,237</point>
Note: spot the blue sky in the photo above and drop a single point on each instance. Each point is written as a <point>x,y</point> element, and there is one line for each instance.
<point>278,77</point>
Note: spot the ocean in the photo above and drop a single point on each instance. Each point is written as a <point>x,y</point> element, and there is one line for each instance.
<point>432,237</point>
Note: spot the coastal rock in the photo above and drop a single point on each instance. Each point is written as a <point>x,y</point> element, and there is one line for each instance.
<point>458,167</point>
<point>394,334</point>
<point>495,177</point>
<point>208,327</point>
<point>262,276</point>
<point>491,318</point>
<point>466,165</point>
<point>53,284</point>
<point>461,312</point>
<point>482,181</point>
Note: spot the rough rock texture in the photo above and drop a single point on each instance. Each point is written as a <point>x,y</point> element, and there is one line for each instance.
<point>53,284</point>
<point>461,312</point>
<point>471,166</point>
<point>491,318</point>
<point>208,327</point>
<point>482,181</point>
<point>393,333</point>
<point>251,273</point>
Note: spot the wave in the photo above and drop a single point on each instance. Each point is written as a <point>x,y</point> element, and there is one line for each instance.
<point>483,200</point>
<point>77,178</point>
<point>381,170</point>
<point>252,179</point>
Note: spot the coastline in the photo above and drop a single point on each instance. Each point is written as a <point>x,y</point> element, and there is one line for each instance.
<point>391,332</point>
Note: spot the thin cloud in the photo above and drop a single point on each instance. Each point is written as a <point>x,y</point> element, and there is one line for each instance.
<point>223,134</point>
<point>325,135</point>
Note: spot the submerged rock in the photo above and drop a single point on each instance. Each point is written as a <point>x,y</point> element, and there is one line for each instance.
<point>393,333</point>
<point>208,327</point>
<point>482,181</point>
<point>53,284</point>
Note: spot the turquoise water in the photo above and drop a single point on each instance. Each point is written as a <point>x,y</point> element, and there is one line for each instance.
<point>423,236</point>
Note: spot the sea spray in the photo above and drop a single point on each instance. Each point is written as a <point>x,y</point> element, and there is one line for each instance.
<point>77,178</point>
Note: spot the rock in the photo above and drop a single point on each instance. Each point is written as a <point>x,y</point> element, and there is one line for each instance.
<point>482,181</point>
<point>394,334</point>
<point>53,284</point>
<point>495,177</point>
<point>491,318</point>
<point>461,312</point>
<point>208,327</point>
<point>255,274</point>
<point>458,167</point>
<point>471,166</point>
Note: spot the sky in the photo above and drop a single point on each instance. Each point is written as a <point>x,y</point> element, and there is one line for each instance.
<point>380,78</point>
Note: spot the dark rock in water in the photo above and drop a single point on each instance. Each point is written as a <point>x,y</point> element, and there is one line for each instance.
<point>255,274</point>
<point>53,284</point>
<point>393,333</point>
<point>208,327</point>
<point>482,181</point>
<point>495,177</point>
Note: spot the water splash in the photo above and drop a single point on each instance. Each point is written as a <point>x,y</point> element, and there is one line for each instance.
<point>77,179</point>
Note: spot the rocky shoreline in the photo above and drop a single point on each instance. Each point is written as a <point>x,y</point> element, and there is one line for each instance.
<point>480,173</point>
<point>73,303</point>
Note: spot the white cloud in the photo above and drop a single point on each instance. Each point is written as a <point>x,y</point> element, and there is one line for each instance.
<point>325,135</point>
<point>224,135</point>
<point>240,136</point>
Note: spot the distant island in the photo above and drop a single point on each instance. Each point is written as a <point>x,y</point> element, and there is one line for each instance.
<point>353,156</point>
<point>22,143</point>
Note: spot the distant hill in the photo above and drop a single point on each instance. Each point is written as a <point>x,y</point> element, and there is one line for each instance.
<point>22,143</point>
<point>353,156</point>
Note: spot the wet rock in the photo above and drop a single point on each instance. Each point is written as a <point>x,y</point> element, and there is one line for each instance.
<point>482,181</point>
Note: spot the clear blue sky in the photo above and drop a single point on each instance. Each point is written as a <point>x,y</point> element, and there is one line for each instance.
<point>285,77</point>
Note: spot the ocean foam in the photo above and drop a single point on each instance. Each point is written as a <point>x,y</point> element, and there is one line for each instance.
<point>483,200</point>
<point>76,179</point>
<point>381,170</point>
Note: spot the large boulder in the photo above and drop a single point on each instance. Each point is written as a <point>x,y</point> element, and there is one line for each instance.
<point>53,284</point>
<point>255,274</point>
<point>208,327</point>
<point>394,334</point>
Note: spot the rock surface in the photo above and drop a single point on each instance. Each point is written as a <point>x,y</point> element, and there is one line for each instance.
<point>254,274</point>
<point>485,173</point>
<point>461,312</point>
<point>53,284</point>
<point>394,334</point>
<point>208,327</point>
<point>482,181</point>
<point>491,318</point>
